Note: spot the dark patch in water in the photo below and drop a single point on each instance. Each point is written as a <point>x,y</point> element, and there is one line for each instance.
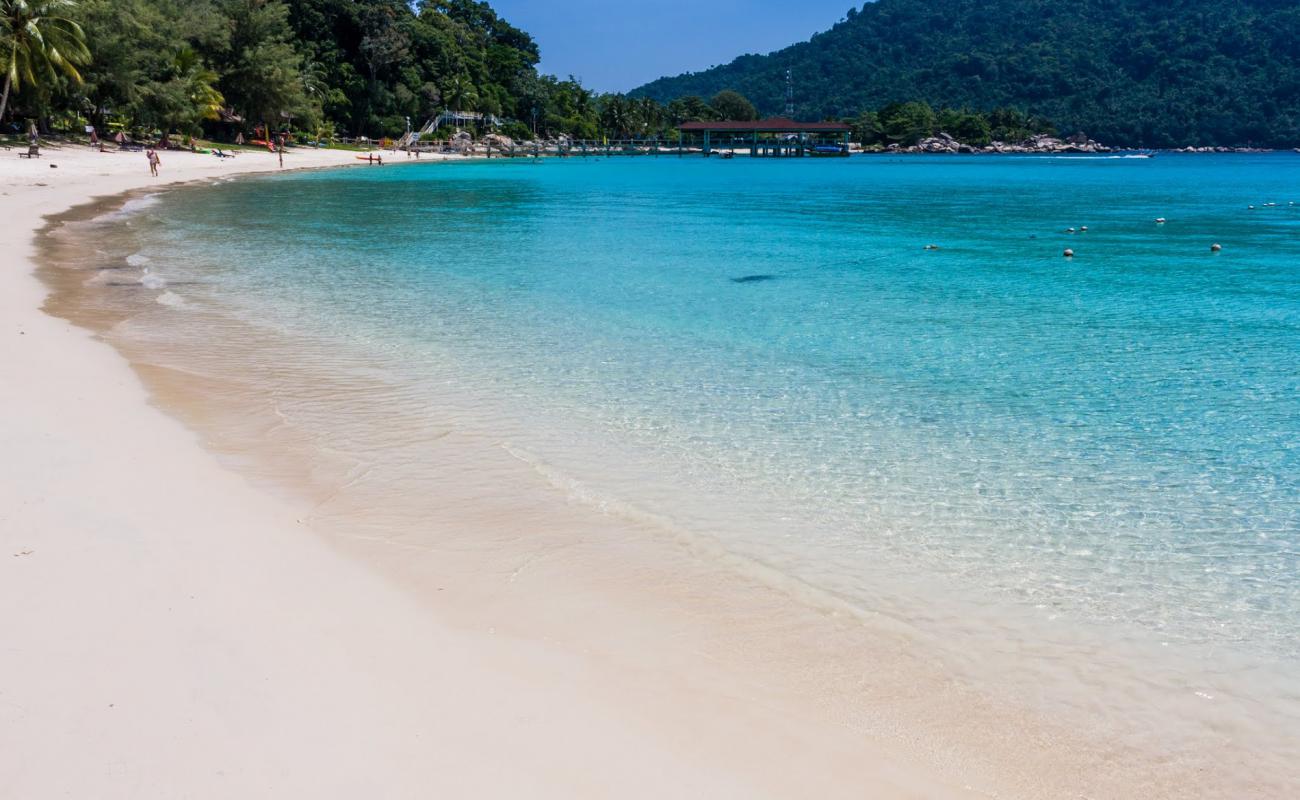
<point>753,278</point>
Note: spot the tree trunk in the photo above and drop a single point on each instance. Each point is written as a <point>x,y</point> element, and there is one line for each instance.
<point>4,99</point>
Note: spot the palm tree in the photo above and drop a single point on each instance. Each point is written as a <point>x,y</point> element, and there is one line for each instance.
<point>39,41</point>
<point>615,114</point>
<point>651,114</point>
<point>200,85</point>
<point>460,93</point>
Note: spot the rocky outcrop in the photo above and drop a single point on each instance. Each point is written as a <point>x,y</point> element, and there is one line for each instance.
<point>945,143</point>
<point>1224,150</point>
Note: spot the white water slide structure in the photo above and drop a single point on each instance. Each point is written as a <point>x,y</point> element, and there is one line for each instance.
<point>456,119</point>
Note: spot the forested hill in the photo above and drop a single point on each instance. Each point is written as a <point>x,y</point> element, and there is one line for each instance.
<point>325,67</point>
<point>1126,72</point>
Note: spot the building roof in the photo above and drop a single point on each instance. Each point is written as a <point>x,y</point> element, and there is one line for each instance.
<point>771,125</point>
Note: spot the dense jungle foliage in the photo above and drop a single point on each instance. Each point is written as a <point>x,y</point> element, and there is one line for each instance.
<point>321,67</point>
<point>1126,72</point>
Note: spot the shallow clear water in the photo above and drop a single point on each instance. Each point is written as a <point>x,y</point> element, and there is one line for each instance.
<point>764,354</point>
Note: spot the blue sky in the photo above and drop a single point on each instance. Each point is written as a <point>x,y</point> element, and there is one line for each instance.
<point>616,45</point>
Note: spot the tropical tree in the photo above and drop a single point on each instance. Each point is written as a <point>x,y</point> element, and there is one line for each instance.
<point>867,129</point>
<point>965,125</point>
<point>39,41</point>
<point>460,93</point>
<point>907,123</point>
<point>616,115</point>
<point>261,72</point>
<point>691,108</point>
<point>650,114</point>
<point>190,96</point>
<point>733,105</point>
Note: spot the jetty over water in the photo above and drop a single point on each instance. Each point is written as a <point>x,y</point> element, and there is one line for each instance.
<point>776,137</point>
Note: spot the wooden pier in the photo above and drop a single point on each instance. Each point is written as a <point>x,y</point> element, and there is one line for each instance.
<point>776,137</point>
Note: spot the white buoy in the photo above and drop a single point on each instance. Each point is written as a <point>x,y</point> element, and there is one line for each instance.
<point>1160,220</point>
<point>1216,247</point>
<point>1069,230</point>
<point>1069,253</point>
<point>932,247</point>
<point>1251,208</point>
<point>1083,228</point>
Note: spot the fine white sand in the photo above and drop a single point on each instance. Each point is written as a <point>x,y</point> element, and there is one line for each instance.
<point>166,630</point>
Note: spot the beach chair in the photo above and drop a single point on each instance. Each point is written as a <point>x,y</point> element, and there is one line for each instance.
<point>33,151</point>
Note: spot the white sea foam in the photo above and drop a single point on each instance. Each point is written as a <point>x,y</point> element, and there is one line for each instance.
<point>170,299</point>
<point>137,260</point>
<point>131,207</point>
<point>152,281</point>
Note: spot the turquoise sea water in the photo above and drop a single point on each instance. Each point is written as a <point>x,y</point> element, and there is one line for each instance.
<point>764,353</point>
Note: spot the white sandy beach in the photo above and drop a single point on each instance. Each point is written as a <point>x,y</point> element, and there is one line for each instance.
<point>176,625</point>
<point>170,631</point>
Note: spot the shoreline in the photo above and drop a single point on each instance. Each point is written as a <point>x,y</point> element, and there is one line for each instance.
<point>174,631</point>
<point>755,719</point>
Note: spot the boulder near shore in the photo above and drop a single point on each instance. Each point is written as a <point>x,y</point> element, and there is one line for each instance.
<point>945,143</point>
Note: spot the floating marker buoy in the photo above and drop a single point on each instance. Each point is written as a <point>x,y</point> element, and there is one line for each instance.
<point>1160,220</point>
<point>1216,247</point>
<point>1069,253</point>
<point>1083,227</point>
<point>1252,208</point>
<point>932,247</point>
<point>1069,230</point>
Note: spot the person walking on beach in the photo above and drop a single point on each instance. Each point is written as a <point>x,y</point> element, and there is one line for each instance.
<point>154,162</point>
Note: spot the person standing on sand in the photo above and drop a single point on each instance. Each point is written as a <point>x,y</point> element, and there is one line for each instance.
<point>154,162</point>
<point>279,149</point>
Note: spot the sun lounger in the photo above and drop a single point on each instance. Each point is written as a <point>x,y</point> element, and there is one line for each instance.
<point>33,151</point>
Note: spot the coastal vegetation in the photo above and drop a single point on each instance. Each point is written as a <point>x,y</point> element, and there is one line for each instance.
<point>38,40</point>
<point>324,68</point>
<point>900,71</point>
<point>351,68</point>
<point>346,67</point>
<point>1126,72</point>
<point>907,124</point>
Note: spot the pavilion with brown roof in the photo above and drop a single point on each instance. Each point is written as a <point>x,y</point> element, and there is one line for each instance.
<point>773,137</point>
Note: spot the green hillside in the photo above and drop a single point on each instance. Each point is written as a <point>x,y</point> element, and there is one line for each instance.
<point>219,67</point>
<point>1125,72</point>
